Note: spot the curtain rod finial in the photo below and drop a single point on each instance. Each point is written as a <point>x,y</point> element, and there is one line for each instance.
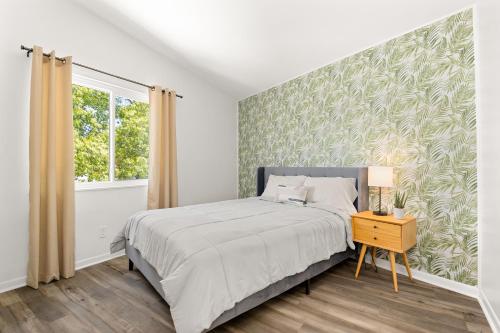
<point>27,49</point>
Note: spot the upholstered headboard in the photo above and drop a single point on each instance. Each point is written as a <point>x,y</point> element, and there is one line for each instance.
<point>360,174</point>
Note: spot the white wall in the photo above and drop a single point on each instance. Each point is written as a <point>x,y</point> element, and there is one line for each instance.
<point>206,125</point>
<point>488,94</point>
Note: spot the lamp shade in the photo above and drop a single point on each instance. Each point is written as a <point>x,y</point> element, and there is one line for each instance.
<point>380,176</point>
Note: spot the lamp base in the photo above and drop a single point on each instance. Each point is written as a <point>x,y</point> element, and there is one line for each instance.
<point>379,213</point>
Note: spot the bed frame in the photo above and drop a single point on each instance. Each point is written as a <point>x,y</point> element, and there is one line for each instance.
<point>277,288</point>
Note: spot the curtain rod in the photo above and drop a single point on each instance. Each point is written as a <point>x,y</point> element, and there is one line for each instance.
<point>30,50</point>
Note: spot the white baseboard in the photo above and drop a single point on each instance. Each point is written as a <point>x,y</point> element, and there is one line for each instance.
<point>490,314</point>
<point>12,284</point>
<point>97,259</point>
<point>80,264</point>
<point>437,281</point>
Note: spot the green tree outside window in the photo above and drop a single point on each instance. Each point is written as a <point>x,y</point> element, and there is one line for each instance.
<point>131,139</point>
<point>91,132</point>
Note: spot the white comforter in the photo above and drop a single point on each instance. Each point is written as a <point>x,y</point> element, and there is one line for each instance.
<point>211,256</point>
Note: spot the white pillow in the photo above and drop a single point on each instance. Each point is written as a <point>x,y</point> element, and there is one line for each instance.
<point>285,193</point>
<point>272,184</point>
<point>335,191</point>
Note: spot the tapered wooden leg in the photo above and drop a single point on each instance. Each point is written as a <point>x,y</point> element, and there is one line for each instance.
<point>374,255</point>
<point>361,259</point>
<point>405,260</point>
<point>130,265</point>
<point>393,269</point>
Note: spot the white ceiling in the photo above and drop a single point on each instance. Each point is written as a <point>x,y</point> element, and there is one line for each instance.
<point>247,46</point>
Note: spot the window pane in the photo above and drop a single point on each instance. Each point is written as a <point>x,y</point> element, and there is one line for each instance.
<point>91,134</point>
<point>131,139</point>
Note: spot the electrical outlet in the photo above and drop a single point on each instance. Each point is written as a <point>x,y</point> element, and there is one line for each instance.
<point>103,231</point>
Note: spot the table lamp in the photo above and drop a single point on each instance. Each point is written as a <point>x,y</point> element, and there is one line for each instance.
<point>380,176</point>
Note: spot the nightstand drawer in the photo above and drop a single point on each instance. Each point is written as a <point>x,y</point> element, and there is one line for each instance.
<point>384,235</point>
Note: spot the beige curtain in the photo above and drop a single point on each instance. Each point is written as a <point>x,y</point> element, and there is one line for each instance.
<point>51,171</point>
<point>162,183</point>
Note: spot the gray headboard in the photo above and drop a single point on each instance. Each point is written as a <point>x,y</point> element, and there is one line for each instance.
<point>360,174</point>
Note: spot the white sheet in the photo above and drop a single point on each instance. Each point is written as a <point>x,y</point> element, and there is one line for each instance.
<point>211,256</point>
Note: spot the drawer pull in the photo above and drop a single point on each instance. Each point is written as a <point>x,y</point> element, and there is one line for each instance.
<point>375,227</point>
<point>375,238</point>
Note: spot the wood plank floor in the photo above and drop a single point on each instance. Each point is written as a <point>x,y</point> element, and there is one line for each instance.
<point>109,298</point>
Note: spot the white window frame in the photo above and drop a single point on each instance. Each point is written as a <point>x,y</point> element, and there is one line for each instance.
<point>113,90</point>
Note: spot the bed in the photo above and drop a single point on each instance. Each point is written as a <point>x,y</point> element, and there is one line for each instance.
<point>213,262</point>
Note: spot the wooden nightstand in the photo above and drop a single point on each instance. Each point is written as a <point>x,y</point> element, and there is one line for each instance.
<point>385,232</point>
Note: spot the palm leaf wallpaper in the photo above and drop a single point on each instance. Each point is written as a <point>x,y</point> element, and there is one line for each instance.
<point>408,103</point>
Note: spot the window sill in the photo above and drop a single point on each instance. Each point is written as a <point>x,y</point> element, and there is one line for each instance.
<point>99,186</point>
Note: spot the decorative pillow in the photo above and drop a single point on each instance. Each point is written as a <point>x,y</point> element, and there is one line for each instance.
<point>272,184</point>
<point>296,194</point>
<point>335,191</point>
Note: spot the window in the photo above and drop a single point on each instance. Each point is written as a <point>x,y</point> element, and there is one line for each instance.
<point>131,139</point>
<point>111,129</point>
